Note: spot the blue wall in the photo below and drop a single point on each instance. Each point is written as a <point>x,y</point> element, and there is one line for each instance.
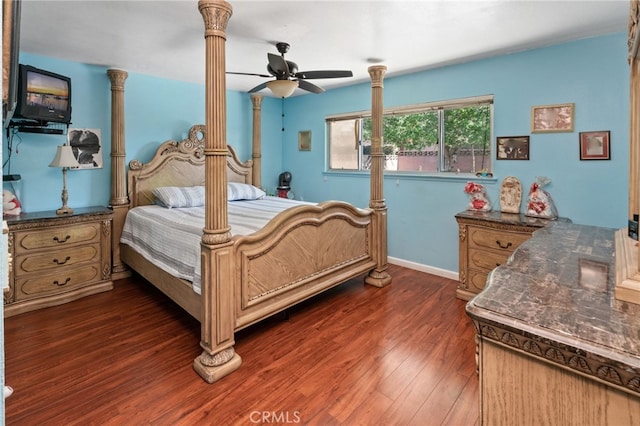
<point>592,73</point>
<point>156,110</point>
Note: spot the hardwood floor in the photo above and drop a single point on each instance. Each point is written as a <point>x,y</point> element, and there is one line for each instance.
<point>356,355</point>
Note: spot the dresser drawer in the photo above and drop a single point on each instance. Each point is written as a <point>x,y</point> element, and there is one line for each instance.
<point>494,239</point>
<point>57,237</point>
<point>487,259</point>
<point>50,260</point>
<point>43,285</point>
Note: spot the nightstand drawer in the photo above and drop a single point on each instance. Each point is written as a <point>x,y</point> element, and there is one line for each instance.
<point>49,260</point>
<point>57,237</point>
<point>42,285</point>
<point>498,240</point>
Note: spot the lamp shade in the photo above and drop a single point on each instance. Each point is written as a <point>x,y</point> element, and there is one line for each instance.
<point>64,157</point>
<point>282,88</point>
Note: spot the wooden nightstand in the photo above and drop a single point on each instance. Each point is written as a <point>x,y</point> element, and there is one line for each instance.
<point>486,240</point>
<point>57,259</point>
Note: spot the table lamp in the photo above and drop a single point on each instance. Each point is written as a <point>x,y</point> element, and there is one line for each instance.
<point>64,158</point>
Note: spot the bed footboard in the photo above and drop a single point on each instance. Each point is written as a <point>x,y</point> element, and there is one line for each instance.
<point>302,252</point>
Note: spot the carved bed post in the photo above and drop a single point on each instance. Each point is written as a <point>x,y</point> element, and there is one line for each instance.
<point>256,100</point>
<point>379,276</point>
<point>119,200</point>
<point>218,357</point>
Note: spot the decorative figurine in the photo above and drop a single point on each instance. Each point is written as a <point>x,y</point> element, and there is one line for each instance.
<point>510,195</point>
<point>10,204</point>
<point>478,198</point>
<point>539,203</point>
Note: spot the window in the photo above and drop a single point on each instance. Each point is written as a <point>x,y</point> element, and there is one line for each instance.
<point>453,136</point>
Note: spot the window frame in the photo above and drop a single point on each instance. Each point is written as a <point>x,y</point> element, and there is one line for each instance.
<point>438,106</point>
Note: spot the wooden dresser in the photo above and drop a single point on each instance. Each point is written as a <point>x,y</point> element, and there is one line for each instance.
<point>486,240</point>
<point>555,347</point>
<point>57,259</point>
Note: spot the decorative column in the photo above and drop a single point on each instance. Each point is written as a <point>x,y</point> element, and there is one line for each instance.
<point>256,100</point>
<point>218,357</point>
<point>10,30</point>
<point>119,199</point>
<point>379,276</point>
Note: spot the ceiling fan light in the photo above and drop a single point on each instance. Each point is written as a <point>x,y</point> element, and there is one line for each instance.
<point>282,88</point>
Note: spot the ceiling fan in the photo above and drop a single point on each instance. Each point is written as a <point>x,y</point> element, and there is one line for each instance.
<point>288,78</point>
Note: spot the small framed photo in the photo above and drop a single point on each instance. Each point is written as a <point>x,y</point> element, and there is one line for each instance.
<point>512,147</point>
<point>304,140</point>
<point>595,145</point>
<point>552,118</point>
<point>87,147</point>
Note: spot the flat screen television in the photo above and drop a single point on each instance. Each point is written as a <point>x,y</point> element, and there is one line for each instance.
<point>43,96</point>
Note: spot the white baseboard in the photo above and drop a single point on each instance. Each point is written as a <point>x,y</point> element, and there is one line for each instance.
<point>452,275</point>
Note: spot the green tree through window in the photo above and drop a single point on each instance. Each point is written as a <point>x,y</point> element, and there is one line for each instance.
<point>443,139</point>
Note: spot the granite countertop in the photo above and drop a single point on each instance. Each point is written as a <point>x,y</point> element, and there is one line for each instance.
<point>509,218</point>
<point>557,290</point>
<point>25,218</point>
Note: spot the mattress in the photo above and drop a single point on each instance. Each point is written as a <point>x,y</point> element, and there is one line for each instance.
<point>170,238</point>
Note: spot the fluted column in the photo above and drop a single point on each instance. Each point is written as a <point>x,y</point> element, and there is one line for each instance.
<point>218,357</point>
<point>634,144</point>
<point>256,100</point>
<point>119,199</point>
<point>379,276</point>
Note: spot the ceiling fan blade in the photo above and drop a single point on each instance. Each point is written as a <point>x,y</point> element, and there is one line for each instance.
<point>309,87</point>
<point>278,64</point>
<point>248,73</point>
<point>324,74</point>
<point>258,88</point>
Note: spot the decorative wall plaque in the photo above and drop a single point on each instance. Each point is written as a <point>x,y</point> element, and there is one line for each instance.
<point>510,195</point>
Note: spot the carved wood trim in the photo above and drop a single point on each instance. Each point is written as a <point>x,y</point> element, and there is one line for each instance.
<point>9,294</point>
<point>256,101</point>
<point>596,367</point>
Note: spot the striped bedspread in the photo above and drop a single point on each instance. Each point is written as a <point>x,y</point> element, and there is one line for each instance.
<point>170,238</point>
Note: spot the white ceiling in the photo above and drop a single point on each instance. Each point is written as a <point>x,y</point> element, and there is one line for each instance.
<point>166,38</point>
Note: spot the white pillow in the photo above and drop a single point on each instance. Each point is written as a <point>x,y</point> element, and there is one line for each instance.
<point>243,191</point>
<point>176,196</point>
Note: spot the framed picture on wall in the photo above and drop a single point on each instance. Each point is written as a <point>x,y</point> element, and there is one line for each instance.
<point>304,140</point>
<point>552,118</point>
<point>512,147</point>
<point>87,147</point>
<point>595,145</point>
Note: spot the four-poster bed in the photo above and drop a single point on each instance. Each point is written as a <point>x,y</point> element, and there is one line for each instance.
<point>299,253</point>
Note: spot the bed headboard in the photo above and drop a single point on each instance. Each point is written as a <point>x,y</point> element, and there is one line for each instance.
<point>179,164</point>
